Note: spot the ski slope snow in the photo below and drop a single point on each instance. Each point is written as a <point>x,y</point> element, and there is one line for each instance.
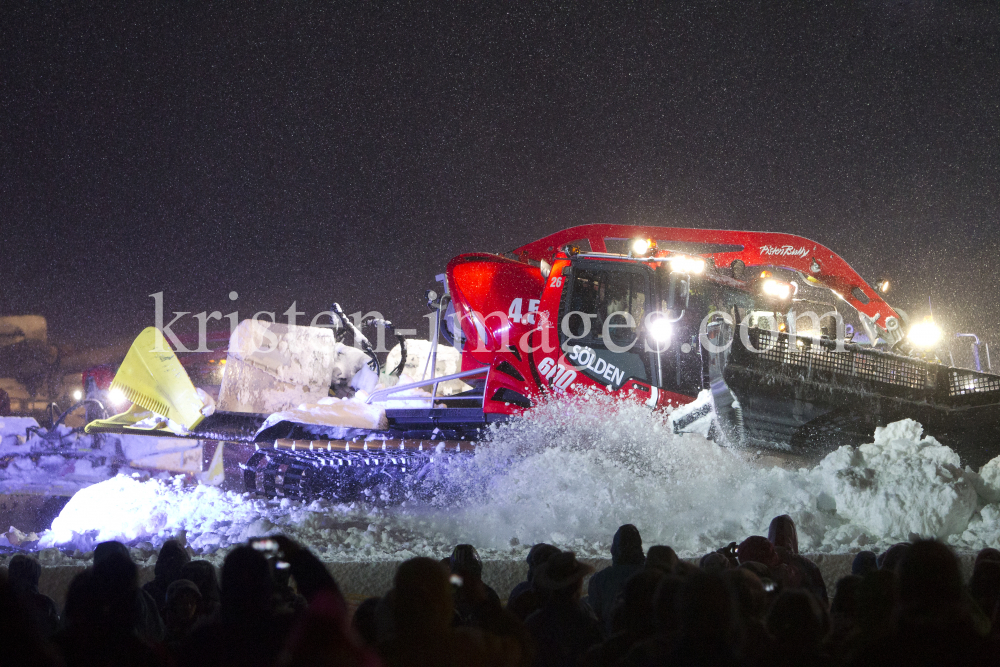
<point>570,476</point>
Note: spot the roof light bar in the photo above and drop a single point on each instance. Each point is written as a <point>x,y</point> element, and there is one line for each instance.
<point>777,289</point>
<point>687,264</point>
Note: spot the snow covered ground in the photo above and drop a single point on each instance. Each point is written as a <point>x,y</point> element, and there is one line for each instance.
<point>570,476</point>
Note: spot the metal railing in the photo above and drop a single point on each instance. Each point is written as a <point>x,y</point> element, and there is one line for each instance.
<point>382,394</point>
<point>975,352</point>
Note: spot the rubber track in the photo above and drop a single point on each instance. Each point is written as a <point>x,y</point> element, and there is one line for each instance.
<point>380,475</point>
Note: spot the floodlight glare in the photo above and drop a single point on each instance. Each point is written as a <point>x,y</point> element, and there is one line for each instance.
<point>925,334</point>
<point>117,397</point>
<point>660,329</point>
<point>686,264</point>
<point>776,289</point>
<point>642,247</point>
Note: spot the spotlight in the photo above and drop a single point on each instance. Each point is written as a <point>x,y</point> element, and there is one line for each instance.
<point>643,247</point>
<point>689,265</point>
<point>776,289</point>
<point>925,334</point>
<point>660,329</point>
<point>117,397</point>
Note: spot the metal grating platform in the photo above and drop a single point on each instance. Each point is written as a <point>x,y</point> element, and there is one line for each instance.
<point>963,383</point>
<point>853,363</point>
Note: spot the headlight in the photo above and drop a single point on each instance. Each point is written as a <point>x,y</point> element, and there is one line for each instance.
<point>78,395</point>
<point>925,334</point>
<point>640,247</point>
<point>660,329</point>
<point>776,288</point>
<point>689,265</point>
<point>117,397</point>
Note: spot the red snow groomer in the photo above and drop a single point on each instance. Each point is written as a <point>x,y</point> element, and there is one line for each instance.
<point>779,340</point>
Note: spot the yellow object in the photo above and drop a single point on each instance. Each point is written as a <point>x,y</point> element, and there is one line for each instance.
<point>152,378</point>
<point>216,473</point>
<point>127,419</point>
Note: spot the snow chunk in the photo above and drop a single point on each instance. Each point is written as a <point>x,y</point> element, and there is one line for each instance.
<point>418,353</point>
<point>902,483</point>
<point>332,411</point>
<point>134,511</point>
<point>989,481</point>
<point>273,366</point>
<point>694,417</point>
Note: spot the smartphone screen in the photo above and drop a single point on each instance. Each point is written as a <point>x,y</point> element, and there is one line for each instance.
<point>265,545</point>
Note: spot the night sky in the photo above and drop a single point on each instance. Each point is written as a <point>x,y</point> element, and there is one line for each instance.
<point>345,151</point>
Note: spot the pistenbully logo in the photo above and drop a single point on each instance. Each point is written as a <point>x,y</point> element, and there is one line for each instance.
<point>784,251</point>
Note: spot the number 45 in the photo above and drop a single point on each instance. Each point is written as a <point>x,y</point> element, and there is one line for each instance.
<point>515,315</point>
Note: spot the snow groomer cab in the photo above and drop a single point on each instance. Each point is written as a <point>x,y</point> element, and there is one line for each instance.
<point>796,351</point>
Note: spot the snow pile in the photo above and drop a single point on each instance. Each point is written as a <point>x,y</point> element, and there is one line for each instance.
<point>573,474</point>
<point>128,510</point>
<point>35,459</point>
<point>901,484</point>
<point>570,476</point>
<point>15,538</point>
<point>13,430</point>
<point>988,483</point>
<point>147,513</point>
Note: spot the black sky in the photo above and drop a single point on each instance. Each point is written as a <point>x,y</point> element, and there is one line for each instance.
<point>345,151</point>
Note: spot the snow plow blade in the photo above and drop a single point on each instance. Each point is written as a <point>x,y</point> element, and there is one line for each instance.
<point>152,378</point>
<point>220,426</point>
<point>811,398</point>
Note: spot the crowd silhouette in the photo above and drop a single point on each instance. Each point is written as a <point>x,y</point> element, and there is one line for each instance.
<point>756,603</point>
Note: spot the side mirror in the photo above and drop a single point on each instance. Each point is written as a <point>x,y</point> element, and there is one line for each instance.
<point>678,291</point>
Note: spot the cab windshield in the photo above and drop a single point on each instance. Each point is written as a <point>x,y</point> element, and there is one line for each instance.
<point>815,309</point>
